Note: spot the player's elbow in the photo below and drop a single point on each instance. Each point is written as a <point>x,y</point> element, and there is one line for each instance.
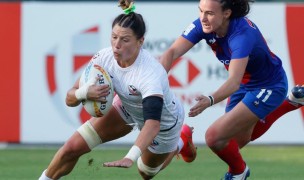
<point>235,86</point>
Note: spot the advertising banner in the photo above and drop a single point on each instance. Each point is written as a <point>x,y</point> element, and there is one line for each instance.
<point>58,39</point>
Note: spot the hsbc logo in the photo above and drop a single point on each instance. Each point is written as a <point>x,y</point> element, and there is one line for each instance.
<point>183,72</point>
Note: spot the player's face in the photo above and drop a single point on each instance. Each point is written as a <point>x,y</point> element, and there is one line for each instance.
<point>125,45</point>
<point>213,18</point>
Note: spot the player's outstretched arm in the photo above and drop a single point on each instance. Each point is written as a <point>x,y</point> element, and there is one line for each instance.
<point>144,139</point>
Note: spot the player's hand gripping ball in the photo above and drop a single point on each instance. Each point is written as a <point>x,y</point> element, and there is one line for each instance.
<point>96,108</point>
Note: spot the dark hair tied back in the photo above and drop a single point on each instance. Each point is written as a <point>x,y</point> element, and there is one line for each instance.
<point>239,8</point>
<point>130,19</point>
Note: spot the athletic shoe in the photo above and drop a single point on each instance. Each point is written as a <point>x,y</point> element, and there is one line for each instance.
<point>297,95</point>
<point>243,176</point>
<point>188,151</point>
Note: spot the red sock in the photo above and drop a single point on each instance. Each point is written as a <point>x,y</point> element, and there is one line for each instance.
<point>262,126</point>
<point>231,155</point>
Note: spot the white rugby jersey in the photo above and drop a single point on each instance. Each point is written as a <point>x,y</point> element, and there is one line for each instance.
<point>145,77</point>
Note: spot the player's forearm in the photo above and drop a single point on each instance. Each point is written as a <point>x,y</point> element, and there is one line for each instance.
<point>147,134</point>
<point>166,60</point>
<point>228,88</point>
<point>71,99</point>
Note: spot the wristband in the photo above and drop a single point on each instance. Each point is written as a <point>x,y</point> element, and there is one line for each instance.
<point>82,92</point>
<point>211,100</point>
<point>134,153</point>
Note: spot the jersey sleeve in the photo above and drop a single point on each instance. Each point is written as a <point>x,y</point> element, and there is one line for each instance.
<point>98,57</point>
<point>194,32</point>
<point>242,42</point>
<point>154,82</point>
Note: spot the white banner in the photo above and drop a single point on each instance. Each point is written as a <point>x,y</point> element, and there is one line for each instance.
<point>58,38</point>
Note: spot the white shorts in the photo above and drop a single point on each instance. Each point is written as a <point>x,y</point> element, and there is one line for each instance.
<point>165,141</point>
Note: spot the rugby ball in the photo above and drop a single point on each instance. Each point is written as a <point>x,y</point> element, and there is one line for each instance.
<point>95,108</point>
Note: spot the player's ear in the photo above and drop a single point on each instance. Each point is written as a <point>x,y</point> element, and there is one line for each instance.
<point>227,13</point>
<point>141,41</point>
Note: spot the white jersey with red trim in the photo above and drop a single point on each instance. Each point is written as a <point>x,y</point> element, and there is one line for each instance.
<point>145,77</point>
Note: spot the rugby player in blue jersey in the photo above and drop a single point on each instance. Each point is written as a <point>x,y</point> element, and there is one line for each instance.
<point>256,85</point>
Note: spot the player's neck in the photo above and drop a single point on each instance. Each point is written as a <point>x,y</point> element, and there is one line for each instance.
<point>222,30</point>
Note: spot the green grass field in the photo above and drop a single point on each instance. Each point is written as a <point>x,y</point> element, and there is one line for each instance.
<point>265,162</point>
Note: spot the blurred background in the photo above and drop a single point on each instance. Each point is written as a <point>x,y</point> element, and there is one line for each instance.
<point>45,46</point>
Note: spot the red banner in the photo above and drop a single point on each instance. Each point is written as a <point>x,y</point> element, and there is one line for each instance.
<point>294,25</point>
<point>10,71</point>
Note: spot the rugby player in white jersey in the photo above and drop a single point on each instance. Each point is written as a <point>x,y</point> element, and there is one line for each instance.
<point>144,99</point>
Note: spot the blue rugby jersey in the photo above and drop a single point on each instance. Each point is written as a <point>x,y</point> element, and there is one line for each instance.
<point>264,68</point>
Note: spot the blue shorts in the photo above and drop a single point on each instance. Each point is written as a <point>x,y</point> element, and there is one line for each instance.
<point>260,101</point>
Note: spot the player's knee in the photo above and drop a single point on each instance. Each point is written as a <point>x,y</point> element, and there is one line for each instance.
<point>89,135</point>
<point>210,138</point>
<point>68,151</point>
<point>146,171</point>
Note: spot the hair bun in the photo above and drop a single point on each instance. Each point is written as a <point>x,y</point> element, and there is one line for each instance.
<point>125,4</point>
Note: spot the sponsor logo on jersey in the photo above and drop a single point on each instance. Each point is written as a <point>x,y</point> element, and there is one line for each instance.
<point>225,61</point>
<point>251,24</point>
<point>188,29</point>
<point>133,91</point>
<point>212,41</point>
<point>124,111</point>
<point>154,143</point>
<point>256,103</point>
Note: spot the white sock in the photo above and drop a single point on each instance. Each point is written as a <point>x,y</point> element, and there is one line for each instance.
<point>180,144</point>
<point>44,177</point>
